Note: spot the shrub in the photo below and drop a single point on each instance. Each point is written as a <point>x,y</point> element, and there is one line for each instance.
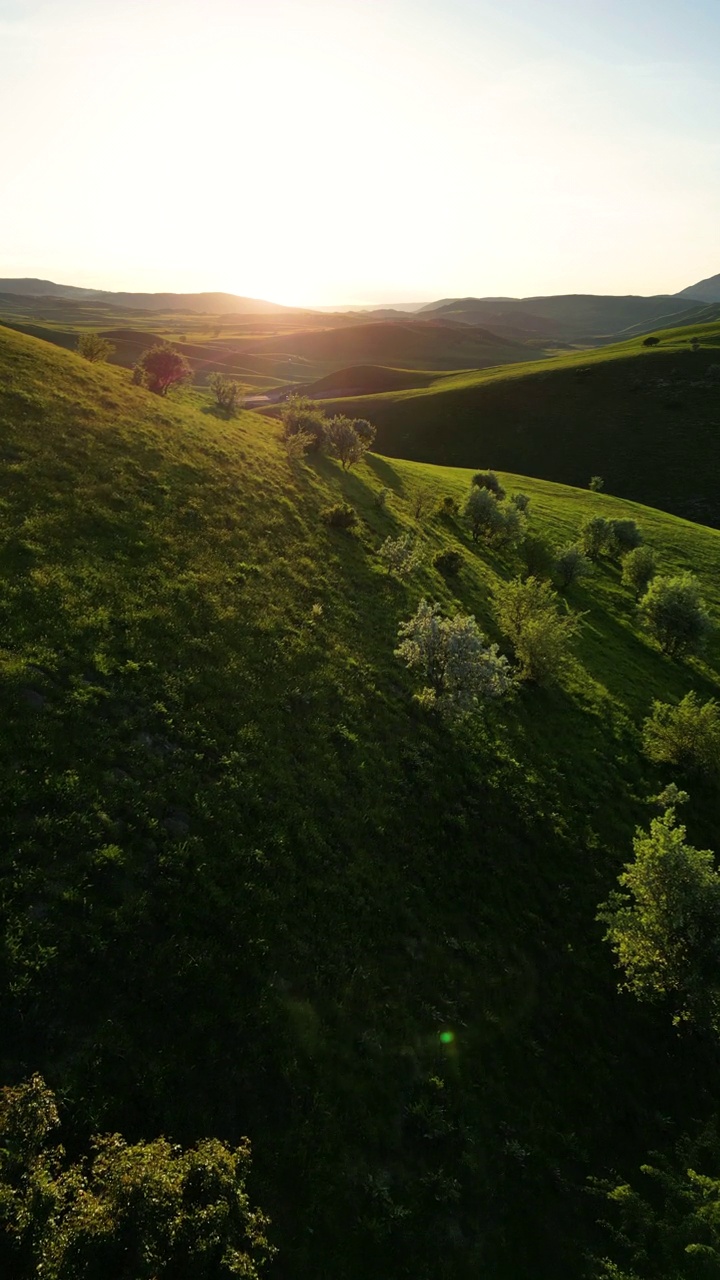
<point>345,441</point>
<point>401,555</point>
<point>299,414</point>
<point>453,657</point>
<point>652,341</point>
<point>596,483</point>
<point>148,1209</point>
<point>685,734</point>
<point>675,614</point>
<point>227,391</point>
<point>527,614</point>
<point>450,507</point>
<point>521,501</point>
<point>381,498</point>
<point>625,536</point>
<point>538,557</point>
<point>595,536</point>
<point>665,930</point>
<point>497,521</point>
<point>93,347</point>
<point>639,568</point>
<point>297,445</point>
<point>570,565</point>
<point>488,480</point>
<point>341,516</point>
<point>162,367</point>
<point>448,563</point>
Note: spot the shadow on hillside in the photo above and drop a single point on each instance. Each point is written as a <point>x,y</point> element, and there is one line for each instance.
<point>385,472</point>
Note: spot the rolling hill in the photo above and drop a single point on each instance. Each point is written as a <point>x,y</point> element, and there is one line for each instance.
<point>213,303</point>
<point>411,344</point>
<point>648,420</point>
<point>578,318</point>
<point>704,291</point>
<point>248,887</point>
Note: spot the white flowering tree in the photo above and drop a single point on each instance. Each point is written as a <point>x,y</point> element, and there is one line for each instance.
<point>452,656</point>
<point>401,555</point>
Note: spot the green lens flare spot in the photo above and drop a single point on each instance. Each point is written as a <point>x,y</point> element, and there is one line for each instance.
<point>447,1037</point>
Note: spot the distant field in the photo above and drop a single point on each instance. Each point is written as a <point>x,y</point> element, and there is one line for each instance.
<point>646,419</point>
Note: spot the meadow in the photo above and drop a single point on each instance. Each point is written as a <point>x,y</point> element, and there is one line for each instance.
<point>249,887</point>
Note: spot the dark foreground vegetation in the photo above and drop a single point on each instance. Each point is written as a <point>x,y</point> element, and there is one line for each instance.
<point>258,884</point>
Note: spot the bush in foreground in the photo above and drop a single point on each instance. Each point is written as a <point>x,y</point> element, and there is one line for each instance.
<point>146,1210</point>
<point>665,927</point>
<point>687,733</point>
<point>541,637</point>
<point>452,656</point>
<point>675,614</point>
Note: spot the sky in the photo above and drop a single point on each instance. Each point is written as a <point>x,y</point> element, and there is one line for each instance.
<point>322,152</point>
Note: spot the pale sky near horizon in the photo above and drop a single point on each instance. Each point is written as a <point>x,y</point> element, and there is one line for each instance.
<point>316,152</point>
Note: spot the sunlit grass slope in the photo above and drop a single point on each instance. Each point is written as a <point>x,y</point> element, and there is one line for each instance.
<point>648,420</point>
<point>248,887</point>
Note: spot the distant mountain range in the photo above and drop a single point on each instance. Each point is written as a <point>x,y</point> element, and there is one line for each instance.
<point>215,304</point>
<point>552,321</point>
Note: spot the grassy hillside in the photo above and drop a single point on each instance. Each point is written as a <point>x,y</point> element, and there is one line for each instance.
<point>411,344</point>
<point>647,419</point>
<point>248,887</point>
<point>577,317</point>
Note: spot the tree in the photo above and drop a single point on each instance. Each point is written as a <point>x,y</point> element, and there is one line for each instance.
<point>498,521</point>
<point>162,367</point>
<point>670,1226</point>
<point>665,927</point>
<point>652,341</point>
<point>570,565</point>
<point>674,612</point>
<point>521,501</point>
<point>527,613</point>
<point>595,536</point>
<point>93,347</point>
<point>228,392</point>
<point>452,655</point>
<point>625,536</point>
<point>490,481</point>
<point>345,442</point>
<point>300,415</point>
<point>401,555</point>
<point>687,733</point>
<point>147,1210</point>
<point>639,568</point>
<point>596,483</point>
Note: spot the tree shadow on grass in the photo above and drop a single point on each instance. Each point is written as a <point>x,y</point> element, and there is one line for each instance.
<point>385,472</point>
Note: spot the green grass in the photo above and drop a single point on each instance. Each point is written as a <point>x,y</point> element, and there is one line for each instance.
<point>645,419</point>
<point>247,886</point>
